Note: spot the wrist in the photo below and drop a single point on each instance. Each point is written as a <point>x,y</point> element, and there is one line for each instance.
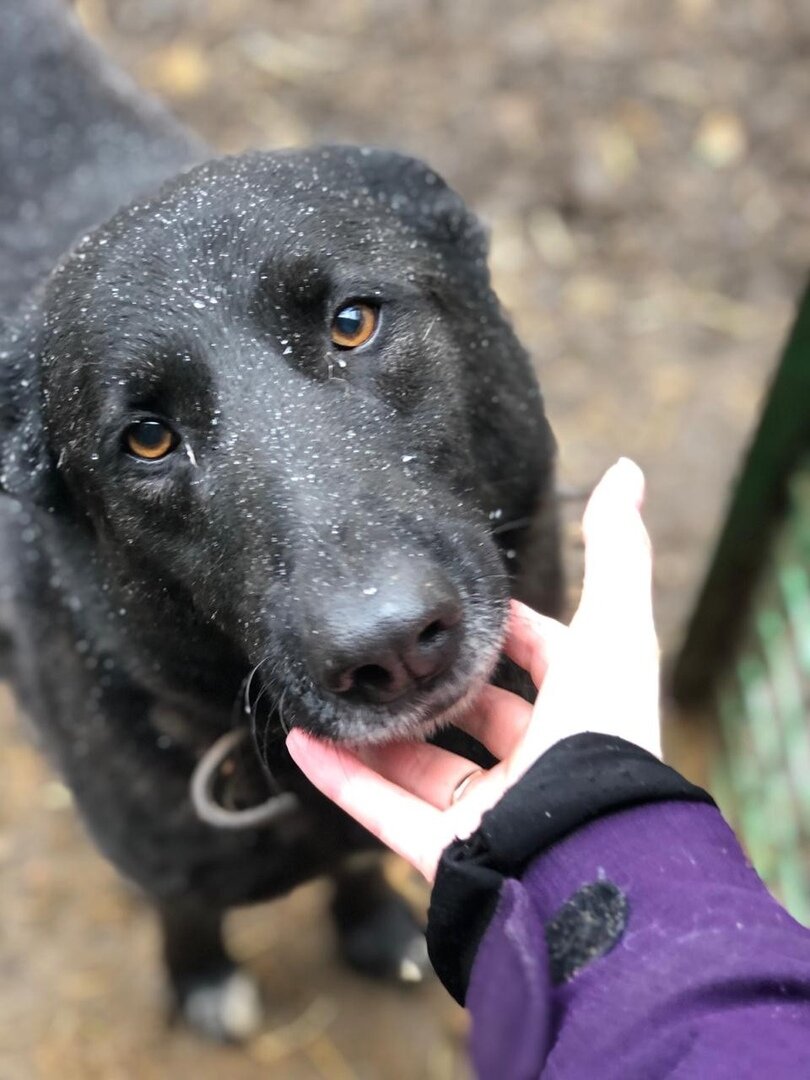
<point>577,780</point>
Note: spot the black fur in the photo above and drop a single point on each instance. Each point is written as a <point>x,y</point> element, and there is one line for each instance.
<point>138,597</point>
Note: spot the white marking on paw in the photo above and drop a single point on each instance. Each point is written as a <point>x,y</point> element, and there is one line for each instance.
<point>231,1009</point>
<point>241,1009</point>
<point>409,971</point>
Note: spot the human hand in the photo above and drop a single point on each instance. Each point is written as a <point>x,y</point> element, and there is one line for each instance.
<point>599,674</point>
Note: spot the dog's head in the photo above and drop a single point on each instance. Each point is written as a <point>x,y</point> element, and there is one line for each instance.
<point>283,399</point>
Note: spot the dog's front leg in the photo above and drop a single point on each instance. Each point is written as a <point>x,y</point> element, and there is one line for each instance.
<point>210,992</point>
<point>378,934</point>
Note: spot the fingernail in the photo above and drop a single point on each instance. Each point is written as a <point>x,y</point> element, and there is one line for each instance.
<point>632,478</point>
<point>294,739</point>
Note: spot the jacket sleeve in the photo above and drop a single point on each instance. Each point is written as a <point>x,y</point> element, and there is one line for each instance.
<point>603,922</point>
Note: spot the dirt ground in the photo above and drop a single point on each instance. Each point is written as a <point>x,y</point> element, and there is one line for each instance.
<point>644,168</point>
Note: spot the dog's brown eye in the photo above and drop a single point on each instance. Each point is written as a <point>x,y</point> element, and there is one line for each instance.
<point>150,439</point>
<point>353,325</point>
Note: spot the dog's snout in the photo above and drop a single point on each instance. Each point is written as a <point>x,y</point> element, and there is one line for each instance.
<point>385,640</point>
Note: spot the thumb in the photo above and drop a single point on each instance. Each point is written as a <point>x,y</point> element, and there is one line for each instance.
<point>618,562</point>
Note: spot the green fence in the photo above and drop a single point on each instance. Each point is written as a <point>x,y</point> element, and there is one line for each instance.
<point>745,663</point>
<point>761,776</point>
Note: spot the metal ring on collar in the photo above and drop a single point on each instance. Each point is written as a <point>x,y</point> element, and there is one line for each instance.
<point>210,811</point>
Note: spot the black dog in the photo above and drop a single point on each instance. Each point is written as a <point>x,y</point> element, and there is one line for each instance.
<point>266,427</point>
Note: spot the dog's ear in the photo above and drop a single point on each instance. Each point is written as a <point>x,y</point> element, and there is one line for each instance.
<point>27,471</point>
<point>425,200</point>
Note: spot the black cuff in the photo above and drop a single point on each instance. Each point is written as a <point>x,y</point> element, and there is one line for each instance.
<point>579,779</point>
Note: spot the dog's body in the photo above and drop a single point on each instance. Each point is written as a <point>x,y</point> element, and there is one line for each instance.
<point>310,492</point>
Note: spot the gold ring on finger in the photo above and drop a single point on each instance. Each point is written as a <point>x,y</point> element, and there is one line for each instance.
<point>463,784</point>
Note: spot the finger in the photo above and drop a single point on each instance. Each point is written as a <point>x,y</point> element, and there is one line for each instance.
<point>615,612</point>
<point>428,772</point>
<point>531,638</point>
<point>618,560</point>
<point>404,823</point>
<point>498,720</point>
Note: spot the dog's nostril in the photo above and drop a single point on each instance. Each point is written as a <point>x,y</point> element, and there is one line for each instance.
<point>372,682</point>
<point>432,632</point>
<point>372,677</point>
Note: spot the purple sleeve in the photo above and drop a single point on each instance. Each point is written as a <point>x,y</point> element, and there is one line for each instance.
<point>693,972</point>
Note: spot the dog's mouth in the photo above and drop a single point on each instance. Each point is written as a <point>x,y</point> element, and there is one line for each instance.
<point>394,653</point>
<point>439,705</point>
<point>235,787</point>
<point>356,712</point>
<point>397,651</point>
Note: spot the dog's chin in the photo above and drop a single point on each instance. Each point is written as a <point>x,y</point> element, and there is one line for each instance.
<point>416,722</point>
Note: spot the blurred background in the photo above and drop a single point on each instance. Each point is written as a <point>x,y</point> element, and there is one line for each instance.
<point>643,167</point>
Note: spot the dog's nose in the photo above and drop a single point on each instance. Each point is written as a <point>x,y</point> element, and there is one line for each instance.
<point>388,637</point>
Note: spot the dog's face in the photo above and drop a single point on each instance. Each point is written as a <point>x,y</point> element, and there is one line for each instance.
<point>284,397</point>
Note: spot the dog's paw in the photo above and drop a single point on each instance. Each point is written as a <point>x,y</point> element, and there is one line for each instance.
<point>225,1006</point>
<point>387,943</point>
